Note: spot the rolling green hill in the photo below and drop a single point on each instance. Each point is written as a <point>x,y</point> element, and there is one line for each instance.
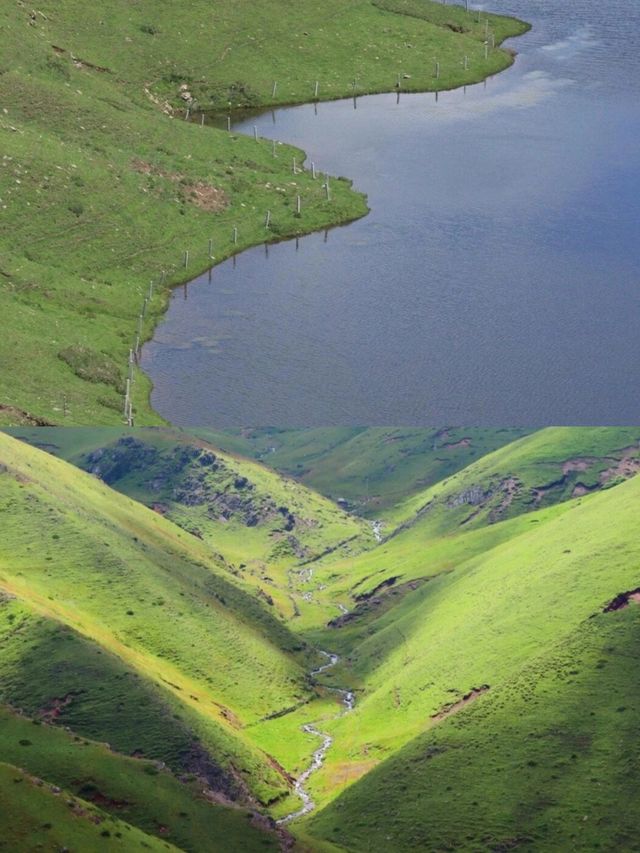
<point>103,188</point>
<point>111,593</point>
<point>113,787</point>
<point>370,469</point>
<point>259,523</point>
<point>489,640</point>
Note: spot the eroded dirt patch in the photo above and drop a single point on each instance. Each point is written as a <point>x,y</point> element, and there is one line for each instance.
<point>18,417</point>
<point>453,707</point>
<point>378,600</point>
<point>55,707</point>
<point>627,466</point>
<point>622,600</point>
<point>199,193</point>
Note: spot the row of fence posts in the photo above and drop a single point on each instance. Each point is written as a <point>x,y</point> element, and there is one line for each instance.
<point>489,43</point>
<point>134,351</point>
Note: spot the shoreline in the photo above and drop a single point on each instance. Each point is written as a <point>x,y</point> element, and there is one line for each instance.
<point>246,112</point>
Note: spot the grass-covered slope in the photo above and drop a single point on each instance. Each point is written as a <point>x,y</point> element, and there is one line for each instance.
<point>370,468</point>
<point>34,816</point>
<point>260,523</point>
<point>101,189</point>
<point>121,576</point>
<point>490,647</point>
<point>478,624</point>
<point>134,790</point>
<point>231,53</point>
<point>546,761</point>
<point>465,514</point>
<point>539,470</point>
<point>100,193</point>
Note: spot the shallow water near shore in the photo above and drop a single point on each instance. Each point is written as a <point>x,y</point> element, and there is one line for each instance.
<point>496,279</point>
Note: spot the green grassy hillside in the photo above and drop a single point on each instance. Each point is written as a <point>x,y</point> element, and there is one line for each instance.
<point>490,647</point>
<point>546,761</point>
<point>474,621</point>
<point>261,524</point>
<point>371,468</point>
<point>153,596</point>
<point>458,517</point>
<point>103,188</point>
<point>35,817</point>
<point>133,790</point>
<point>539,470</point>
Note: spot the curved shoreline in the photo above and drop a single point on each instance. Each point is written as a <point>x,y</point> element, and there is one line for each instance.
<point>273,239</point>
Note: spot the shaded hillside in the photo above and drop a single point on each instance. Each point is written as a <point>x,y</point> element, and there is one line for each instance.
<point>93,567</point>
<point>491,654</point>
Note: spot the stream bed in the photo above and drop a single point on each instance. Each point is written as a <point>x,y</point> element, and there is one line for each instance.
<point>495,281</point>
<point>317,759</point>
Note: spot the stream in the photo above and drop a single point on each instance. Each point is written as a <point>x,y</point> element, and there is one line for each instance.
<point>494,282</point>
<point>348,701</point>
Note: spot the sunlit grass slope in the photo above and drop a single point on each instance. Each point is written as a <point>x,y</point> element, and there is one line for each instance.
<point>546,761</point>
<point>100,192</point>
<point>458,517</point>
<point>231,53</point>
<point>261,523</point>
<point>34,817</point>
<point>153,596</point>
<point>370,468</point>
<point>541,469</point>
<point>101,189</point>
<point>479,623</point>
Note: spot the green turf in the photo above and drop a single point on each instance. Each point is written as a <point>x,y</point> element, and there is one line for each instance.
<point>370,469</point>
<point>546,761</point>
<point>35,817</point>
<point>153,595</point>
<point>259,523</point>
<point>102,191</point>
<point>477,587</point>
<point>133,790</point>
<point>478,621</point>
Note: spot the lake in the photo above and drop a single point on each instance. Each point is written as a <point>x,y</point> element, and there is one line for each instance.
<point>496,280</point>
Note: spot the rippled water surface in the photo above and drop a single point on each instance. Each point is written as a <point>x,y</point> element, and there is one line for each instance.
<point>496,280</point>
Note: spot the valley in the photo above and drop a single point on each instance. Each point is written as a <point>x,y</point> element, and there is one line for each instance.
<point>333,694</point>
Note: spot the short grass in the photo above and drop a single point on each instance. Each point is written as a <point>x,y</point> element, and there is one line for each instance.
<point>260,523</point>
<point>477,587</point>
<point>480,622</point>
<point>370,468</point>
<point>102,193</point>
<point>546,761</point>
<point>458,517</point>
<point>34,817</point>
<point>133,790</point>
<point>538,470</point>
<point>153,595</point>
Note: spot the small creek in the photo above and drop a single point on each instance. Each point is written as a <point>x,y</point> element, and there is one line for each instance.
<point>317,760</point>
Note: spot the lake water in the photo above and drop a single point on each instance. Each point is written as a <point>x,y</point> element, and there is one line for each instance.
<point>496,280</point>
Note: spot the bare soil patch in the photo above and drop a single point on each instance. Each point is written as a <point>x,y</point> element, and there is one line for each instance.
<point>622,600</point>
<point>453,707</point>
<point>199,193</point>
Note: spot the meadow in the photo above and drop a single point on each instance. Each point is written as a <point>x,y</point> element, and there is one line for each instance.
<point>489,640</point>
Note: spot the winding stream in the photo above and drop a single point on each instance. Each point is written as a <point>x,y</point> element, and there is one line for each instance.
<point>348,701</point>
<point>495,280</point>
